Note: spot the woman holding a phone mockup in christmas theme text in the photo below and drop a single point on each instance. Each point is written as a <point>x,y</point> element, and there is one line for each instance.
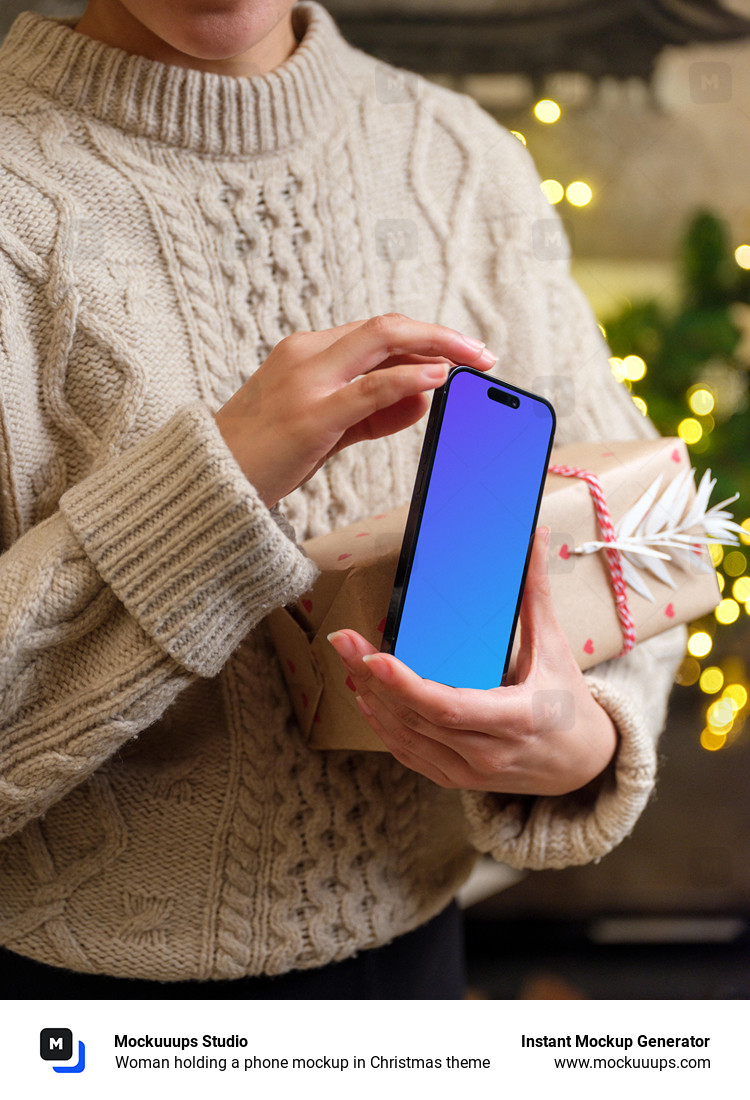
<point>236,257</point>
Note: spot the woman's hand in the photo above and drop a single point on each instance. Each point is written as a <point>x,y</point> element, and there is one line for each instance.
<point>318,392</point>
<point>543,735</point>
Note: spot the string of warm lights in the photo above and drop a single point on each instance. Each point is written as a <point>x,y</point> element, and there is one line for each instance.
<point>577,193</point>
<point>725,684</point>
<point>726,715</point>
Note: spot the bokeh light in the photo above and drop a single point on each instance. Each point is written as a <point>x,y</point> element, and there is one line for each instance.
<point>735,563</point>
<point>546,110</point>
<point>617,367</point>
<point>699,644</point>
<point>701,401</point>
<point>742,256</point>
<point>720,715</point>
<point>689,430</point>
<point>736,692</point>
<point>717,553</point>
<point>712,680</point>
<point>688,672</point>
<point>741,589</point>
<point>634,367</point>
<point>711,740</point>
<point>578,193</point>
<point>727,612</point>
<point>553,191</point>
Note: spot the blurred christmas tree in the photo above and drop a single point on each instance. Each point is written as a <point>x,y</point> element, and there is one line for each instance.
<point>698,355</point>
<point>687,366</point>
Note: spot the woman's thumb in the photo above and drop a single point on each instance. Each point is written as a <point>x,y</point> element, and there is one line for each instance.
<point>538,619</point>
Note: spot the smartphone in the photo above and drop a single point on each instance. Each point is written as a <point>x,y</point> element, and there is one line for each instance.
<point>467,543</point>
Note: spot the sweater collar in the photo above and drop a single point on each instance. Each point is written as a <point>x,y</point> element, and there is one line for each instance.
<point>204,112</point>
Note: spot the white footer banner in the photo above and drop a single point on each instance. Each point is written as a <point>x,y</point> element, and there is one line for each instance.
<point>330,1049</point>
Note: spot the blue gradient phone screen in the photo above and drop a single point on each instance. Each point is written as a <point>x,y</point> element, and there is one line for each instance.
<point>459,610</point>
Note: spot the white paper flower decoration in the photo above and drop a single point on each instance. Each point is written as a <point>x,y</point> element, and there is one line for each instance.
<point>670,523</point>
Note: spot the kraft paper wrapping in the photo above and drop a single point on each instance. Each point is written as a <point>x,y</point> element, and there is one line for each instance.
<point>358,568</point>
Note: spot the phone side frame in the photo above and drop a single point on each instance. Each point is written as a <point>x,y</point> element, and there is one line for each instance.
<point>414,517</point>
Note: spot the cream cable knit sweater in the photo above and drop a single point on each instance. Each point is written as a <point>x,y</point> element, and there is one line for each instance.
<point>160,230</point>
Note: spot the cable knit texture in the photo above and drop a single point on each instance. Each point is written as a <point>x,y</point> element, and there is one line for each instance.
<point>162,229</point>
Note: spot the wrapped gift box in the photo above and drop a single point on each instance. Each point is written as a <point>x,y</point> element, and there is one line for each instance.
<point>358,567</point>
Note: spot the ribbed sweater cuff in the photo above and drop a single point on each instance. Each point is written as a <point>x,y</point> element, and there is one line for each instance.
<point>538,833</point>
<point>185,542</point>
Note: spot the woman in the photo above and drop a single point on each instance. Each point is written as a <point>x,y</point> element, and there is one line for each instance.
<point>209,217</point>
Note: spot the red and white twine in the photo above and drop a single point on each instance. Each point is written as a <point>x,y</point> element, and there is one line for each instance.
<point>607,528</point>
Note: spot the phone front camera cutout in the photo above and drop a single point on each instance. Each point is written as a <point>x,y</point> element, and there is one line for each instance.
<point>509,399</point>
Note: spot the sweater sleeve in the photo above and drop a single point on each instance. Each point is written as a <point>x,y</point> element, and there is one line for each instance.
<point>549,325</point>
<point>150,572</point>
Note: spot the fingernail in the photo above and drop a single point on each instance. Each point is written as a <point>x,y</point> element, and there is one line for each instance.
<point>362,705</point>
<point>377,666</point>
<point>435,372</point>
<point>545,541</point>
<point>487,357</point>
<point>343,645</point>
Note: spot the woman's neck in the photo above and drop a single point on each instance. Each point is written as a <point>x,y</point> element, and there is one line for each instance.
<point>110,22</point>
<point>182,107</point>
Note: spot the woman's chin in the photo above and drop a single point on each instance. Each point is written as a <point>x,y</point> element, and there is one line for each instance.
<point>211,43</point>
<point>219,36</point>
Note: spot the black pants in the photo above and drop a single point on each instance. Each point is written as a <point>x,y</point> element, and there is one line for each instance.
<point>427,963</point>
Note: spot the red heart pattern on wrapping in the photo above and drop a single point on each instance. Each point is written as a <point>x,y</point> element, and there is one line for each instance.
<point>676,454</point>
<point>307,604</point>
<point>588,646</point>
<point>381,625</point>
<point>350,684</point>
<point>669,610</point>
<point>342,556</point>
<point>564,552</point>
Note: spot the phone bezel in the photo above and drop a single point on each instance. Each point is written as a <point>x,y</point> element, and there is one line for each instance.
<point>419,497</point>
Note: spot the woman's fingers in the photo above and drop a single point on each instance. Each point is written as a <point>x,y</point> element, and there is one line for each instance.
<point>379,390</point>
<point>433,761</point>
<point>318,392</point>
<point>402,414</point>
<point>434,709</point>
<point>412,357</point>
<point>320,339</point>
<point>392,334</point>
